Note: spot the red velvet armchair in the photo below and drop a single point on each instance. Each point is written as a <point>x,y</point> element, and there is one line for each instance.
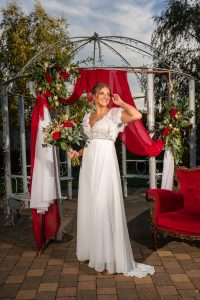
<point>177,213</point>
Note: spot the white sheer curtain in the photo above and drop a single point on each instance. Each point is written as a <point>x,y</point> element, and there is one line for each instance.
<point>43,191</point>
<point>168,171</point>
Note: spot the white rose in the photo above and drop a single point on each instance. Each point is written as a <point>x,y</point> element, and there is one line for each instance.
<point>67,69</point>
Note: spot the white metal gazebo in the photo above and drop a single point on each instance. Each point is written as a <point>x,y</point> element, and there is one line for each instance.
<point>95,46</point>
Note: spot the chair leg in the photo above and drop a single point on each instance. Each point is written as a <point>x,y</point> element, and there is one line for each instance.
<point>154,234</point>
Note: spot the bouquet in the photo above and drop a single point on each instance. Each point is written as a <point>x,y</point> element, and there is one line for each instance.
<point>64,130</point>
<point>64,133</point>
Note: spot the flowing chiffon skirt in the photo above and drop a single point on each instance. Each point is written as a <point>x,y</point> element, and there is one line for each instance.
<point>102,234</point>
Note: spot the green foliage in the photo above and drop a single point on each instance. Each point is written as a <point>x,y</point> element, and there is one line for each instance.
<point>79,108</point>
<point>50,77</point>
<point>21,37</point>
<point>177,43</point>
<point>174,126</point>
<point>177,40</point>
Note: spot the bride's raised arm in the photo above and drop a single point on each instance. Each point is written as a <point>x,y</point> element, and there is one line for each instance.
<point>130,113</point>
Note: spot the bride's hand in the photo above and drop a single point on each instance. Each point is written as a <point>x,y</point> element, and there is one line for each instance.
<point>72,154</point>
<point>117,100</point>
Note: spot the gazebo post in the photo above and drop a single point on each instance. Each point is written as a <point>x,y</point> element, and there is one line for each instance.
<point>58,189</point>
<point>23,149</point>
<point>124,171</point>
<point>69,166</point>
<point>151,123</point>
<point>193,130</point>
<point>6,146</point>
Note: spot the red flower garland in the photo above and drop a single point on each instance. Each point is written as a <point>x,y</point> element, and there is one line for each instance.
<point>165,131</point>
<point>48,77</point>
<point>64,75</point>
<point>47,94</point>
<point>173,112</point>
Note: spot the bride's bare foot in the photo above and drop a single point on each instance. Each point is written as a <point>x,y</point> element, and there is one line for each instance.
<point>105,273</point>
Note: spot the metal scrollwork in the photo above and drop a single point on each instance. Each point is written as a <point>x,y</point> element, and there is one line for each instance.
<point>138,165</point>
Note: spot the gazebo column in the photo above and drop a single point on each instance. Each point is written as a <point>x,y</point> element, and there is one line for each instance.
<point>6,145</point>
<point>23,149</point>
<point>124,171</point>
<point>151,123</point>
<point>69,166</point>
<point>193,130</point>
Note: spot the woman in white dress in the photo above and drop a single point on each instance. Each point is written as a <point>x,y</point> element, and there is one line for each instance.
<point>102,234</point>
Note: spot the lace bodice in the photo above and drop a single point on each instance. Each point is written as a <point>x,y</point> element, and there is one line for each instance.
<point>106,128</point>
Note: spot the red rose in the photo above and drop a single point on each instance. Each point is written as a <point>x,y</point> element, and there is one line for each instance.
<point>48,77</point>
<point>58,68</point>
<point>165,131</point>
<point>64,75</point>
<point>182,134</point>
<point>47,94</point>
<point>68,124</point>
<point>173,112</point>
<point>63,100</point>
<point>56,135</point>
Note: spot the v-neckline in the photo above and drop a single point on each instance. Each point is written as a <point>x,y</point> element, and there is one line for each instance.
<point>97,120</point>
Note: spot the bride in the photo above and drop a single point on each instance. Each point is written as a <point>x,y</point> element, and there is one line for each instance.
<point>102,234</point>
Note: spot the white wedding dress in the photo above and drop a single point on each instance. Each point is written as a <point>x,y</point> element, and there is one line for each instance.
<point>102,234</point>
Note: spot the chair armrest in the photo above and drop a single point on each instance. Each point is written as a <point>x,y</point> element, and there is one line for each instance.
<point>163,201</point>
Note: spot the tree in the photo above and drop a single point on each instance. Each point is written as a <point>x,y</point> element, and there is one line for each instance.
<point>177,35</point>
<point>177,43</point>
<point>22,36</point>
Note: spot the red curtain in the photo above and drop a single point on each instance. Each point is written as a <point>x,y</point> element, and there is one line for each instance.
<point>135,136</point>
<point>45,226</point>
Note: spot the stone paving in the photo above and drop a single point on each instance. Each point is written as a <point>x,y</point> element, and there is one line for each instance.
<point>57,274</point>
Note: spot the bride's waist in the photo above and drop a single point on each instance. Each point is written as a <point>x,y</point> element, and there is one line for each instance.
<point>99,140</point>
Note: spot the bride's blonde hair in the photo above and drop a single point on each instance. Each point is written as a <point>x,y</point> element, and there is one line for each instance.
<point>98,86</point>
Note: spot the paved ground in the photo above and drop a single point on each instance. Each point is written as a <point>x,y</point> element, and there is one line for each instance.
<point>57,274</point>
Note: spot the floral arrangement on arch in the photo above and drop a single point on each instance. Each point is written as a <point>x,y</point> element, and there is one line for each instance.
<point>175,127</point>
<point>52,78</point>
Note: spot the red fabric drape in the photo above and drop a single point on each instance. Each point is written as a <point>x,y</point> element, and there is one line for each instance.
<point>135,136</point>
<point>45,226</point>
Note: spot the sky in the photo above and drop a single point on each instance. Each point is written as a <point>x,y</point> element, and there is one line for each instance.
<point>129,18</point>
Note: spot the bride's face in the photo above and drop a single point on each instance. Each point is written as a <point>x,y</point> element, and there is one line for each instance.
<point>102,97</point>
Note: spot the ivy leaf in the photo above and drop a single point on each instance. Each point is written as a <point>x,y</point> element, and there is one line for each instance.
<point>64,146</point>
<point>185,124</point>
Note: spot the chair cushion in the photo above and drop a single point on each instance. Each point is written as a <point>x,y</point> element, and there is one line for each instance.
<point>191,199</point>
<point>181,220</point>
<point>189,182</point>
